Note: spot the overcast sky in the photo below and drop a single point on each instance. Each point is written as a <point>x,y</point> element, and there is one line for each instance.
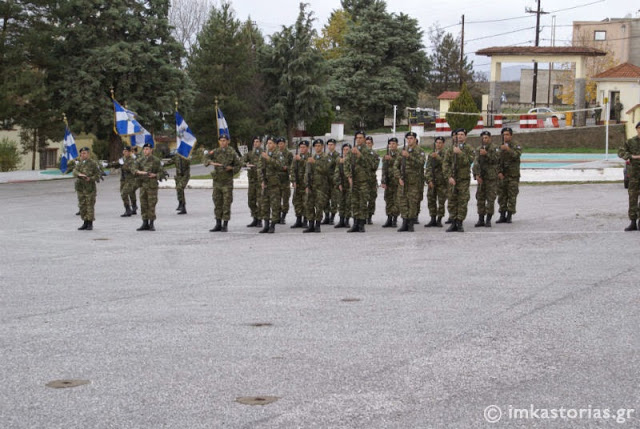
<point>270,15</point>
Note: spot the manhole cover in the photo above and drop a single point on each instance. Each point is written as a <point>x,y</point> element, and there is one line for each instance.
<point>256,400</point>
<point>260,324</point>
<point>350,299</point>
<point>100,239</point>
<point>61,384</point>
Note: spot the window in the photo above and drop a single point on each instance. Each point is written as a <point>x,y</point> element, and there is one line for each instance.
<point>599,35</point>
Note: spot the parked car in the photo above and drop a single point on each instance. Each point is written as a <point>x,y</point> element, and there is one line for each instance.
<point>625,175</point>
<point>547,111</point>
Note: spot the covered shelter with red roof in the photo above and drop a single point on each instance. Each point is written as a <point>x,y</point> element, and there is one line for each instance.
<point>541,54</point>
<point>622,83</point>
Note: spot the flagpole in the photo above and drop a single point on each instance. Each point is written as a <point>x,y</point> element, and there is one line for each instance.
<point>217,118</point>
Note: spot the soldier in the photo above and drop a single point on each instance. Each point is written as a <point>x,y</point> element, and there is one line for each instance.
<point>436,184</point>
<point>409,173</point>
<point>630,152</point>
<point>226,164</point>
<point>509,176</point>
<point>373,180</point>
<point>457,168</point>
<point>126,164</point>
<point>317,186</point>
<point>359,164</point>
<point>251,160</point>
<point>137,183</point>
<point>485,171</point>
<point>285,187</point>
<point>182,176</point>
<point>343,188</point>
<point>270,164</point>
<point>297,171</point>
<point>421,194</point>
<point>87,174</point>
<point>332,205</point>
<point>389,184</point>
<point>149,169</point>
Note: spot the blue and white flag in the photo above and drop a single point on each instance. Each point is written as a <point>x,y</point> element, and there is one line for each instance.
<point>185,139</point>
<point>69,150</point>
<point>223,128</point>
<point>142,138</point>
<point>124,122</point>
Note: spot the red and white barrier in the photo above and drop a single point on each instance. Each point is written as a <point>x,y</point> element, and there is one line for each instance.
<point>480,124</point>
<point>497,121</point>
<point>528,121</point>
<point>442,125</point>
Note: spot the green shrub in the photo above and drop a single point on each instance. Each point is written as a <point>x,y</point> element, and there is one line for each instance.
<point>9,155</point>
<point>463,103</point>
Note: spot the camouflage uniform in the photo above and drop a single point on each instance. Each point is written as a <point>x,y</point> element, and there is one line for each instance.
<point>458,167</point>
<point>334,192</point>
<point>223,181</point>
<point>127,166</point>
<point>149,187</point>
<point>344,195</point>
<point>486,168</point>
<point>391,187</point>
<point>182,176</point>
<point>86,189</point>
<point>409,195</point>
<point>508,188</point>
<point>632,147</point>
<point>436,196</point>
<point>285,186</point>
<point>270,197</point>
<point>373,185</point>
<point>297,171</point>
<point>254,191</point>
<point>317,183</point>
<point>358,168</point>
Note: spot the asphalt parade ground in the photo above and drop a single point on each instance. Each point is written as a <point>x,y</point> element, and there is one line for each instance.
<point>183,328</point>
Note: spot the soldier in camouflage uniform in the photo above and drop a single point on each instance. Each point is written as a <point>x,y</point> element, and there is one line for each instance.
<point>137,183</point>
<point>251,160</point>
<point>182,176</point>
<point>332,205</point>
<point>150,170</point>
<point>358,165</point>
<point>297,170</point>
<point>271,163</point>
<point>457,168</point>
<point>285,187</point>
<point>317,186</point>
<point>226,163</point>
<point>389,184</point>
<point>485,171</point>
<point>409,173</point>
<point>436,183</point>
<point>630,152</point>
<point>87,174</point>
<point>343,189</point>
<point>127,166</point>
<point>373,181</point>
<point>509,176</point>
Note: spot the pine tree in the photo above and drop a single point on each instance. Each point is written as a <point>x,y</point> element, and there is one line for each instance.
<point>445,74</point>
<point>463,103</point>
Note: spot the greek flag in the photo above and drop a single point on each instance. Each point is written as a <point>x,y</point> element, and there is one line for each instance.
<point>223,128</point>
<point>184,137</point>
<point>125,122</point>
<point>69,150</point>
<point>142,138</point>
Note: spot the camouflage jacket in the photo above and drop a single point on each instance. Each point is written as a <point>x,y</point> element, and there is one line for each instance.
<point>150,164</point>
<point>434,170</point>
<point>359,168</point>
<point>89,168</point>
<point>288,159</point>
<point>486,166</point>
<point>183,165</point>
<point>317,174</point>
<point>458,166</point>
<point>297,169</point>
<point>271,168</point>
<point>631,147</point>
<point>509,162</point>
<point>414,167</point>
<point>252,157</point>
<point>339,175</point>
<point>228,158</point>
<point>334,159</point>
<point>387,169</point>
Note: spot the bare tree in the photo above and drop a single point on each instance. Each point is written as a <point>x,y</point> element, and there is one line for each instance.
<point>187,18</point>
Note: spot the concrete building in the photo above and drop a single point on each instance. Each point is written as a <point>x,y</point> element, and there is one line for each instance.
<point>621,82</point>
<point>544,96</point>
<point>620,36</point>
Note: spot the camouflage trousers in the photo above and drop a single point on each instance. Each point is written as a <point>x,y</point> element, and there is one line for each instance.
<point>372,197</point>
<point>222,198</point>
<point>254,197</point>
<point>508,189</point>
<point>344,202</point>
<point>486,197</point>
<point>148,200</point>
<point>316,203</point>
<point>634,192</point>
<point>270,203</point>
<point>359,197</point>
<point>181,184</point>
<point>298,200</point>
<point>436,198</point>
<point>87,203</point>
<point>285,195</point>
<point>409,197</point>
<point>128,192</point>
<point>391,200</point>
<point>332,205</point>
<point>459,199</point>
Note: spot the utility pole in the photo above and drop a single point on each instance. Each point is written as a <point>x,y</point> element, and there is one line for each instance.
<point>535,64</point>
<point>462,53</point>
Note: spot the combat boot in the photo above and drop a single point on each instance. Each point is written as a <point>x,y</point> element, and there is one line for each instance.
<point>508,220</point>
<point>340,223</point>
<point>405,226</point>
<point>304,222</point>
<point>410,224</point>
<point>179,206</point>
<point>317,226</point>
<point>502,218</point>
<point>144,226</point>
<point>346,222</point>
<point>283,216</point>
<point>394,222</point>
<point>326,220</point>
<point>224,226</point>
<point>439,221</point>
<point>632,226</point>
<point>183,209</point>
<point>151,227</point>
<point>134,210</point>
<point>259,224</point>
<point>298,223</point>
<point>487,223</point>
<point>310,228</point>
<point>127,211</point>
<point>432,223</point>
<point>388,223</point>
<point>333,216</point>
<point>362,222</point>
<point>480,221</point>
<point>416,221</point>
<point>254,223</point>
<point>272,227</point>
<point>266,227</point>
<point>453,227</point>
<point>218,226</point>
<point>449,221</point>
<point>460,227</point>
<point>84,226</point>
<point>356,226</point>
<point>369,221</point>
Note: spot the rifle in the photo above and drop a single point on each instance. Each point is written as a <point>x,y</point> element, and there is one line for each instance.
<point>295,167</point>
<point>482,160</point>
<point>264,174</point>
<point>353,165</point>
<point>403,168</point>
<point>386,168</point>
<point>309,176</point>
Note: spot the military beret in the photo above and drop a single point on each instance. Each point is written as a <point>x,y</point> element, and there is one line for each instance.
<point>346,145</point>
<point>457,130</point>
<point>147,145</point>
<point>331,141</point>
<point>358,132</point>
<point>638,125</point>
<point>302,143</point>
<point>280,139</point>
<point>439,138</point>
<point>392,139</point>
<point>368,138</point>
<point>223,136</point>
<point>410,134</point>
<point>506,129</point>
<point>127,148</point>
<point>85,149</point>
<point>318,141</point>
<point>485,133</point>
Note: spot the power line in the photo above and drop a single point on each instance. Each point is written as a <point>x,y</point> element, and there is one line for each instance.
<point>502,34</point>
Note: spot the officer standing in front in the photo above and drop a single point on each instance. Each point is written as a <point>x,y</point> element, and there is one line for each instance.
<point>149,170</point>
<point>457,168</point>
<point>87,174</point>
<point>226,164</point>
<point>630,152</point>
